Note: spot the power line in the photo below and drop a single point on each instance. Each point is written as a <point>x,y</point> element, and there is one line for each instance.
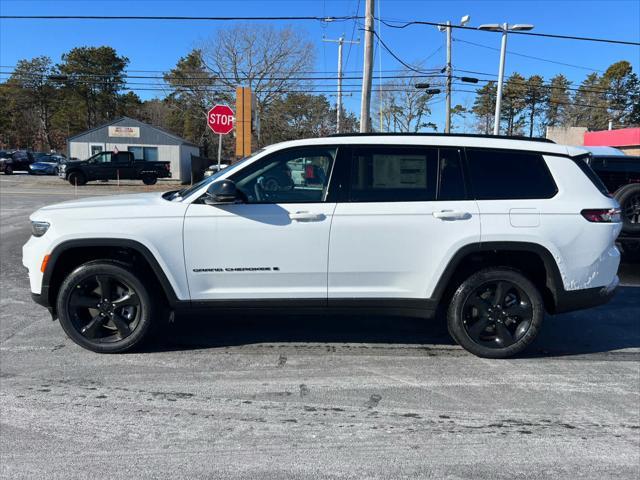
<point>353,32</point>
<point>529,56</point>
<point>388,23</point>
<point>533,34</point>
<point>175,18</point>
<point>549,86</point>
<point>548,101</point>
<point>386,47</point>
<point>208,77</point>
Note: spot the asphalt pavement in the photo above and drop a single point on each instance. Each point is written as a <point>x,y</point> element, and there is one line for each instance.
<point>309,396</point>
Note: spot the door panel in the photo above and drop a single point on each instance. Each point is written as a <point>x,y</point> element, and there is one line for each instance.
<point>257,250</point>
<point>276,243</point>
<point>407,214</point>
<point>395,249</point>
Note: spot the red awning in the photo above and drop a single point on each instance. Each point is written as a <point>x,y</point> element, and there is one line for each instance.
<point>625,137</point>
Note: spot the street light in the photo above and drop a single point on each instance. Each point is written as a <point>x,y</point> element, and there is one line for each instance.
<point>504,28</point>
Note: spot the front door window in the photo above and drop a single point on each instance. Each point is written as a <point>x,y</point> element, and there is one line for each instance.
<point>293,176</point>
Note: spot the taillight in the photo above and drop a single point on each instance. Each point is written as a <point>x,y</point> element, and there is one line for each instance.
<point>602,215</point>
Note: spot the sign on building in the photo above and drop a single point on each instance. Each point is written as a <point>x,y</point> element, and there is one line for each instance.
<point>129,132</point>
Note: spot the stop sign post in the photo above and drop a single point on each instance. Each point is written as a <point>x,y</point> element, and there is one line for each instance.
<point>220,120</point>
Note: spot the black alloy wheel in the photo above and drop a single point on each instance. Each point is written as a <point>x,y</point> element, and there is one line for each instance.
<point>632,209</point>
<point>495,313</point>
<point>104,307</point>
<point>8,170</point>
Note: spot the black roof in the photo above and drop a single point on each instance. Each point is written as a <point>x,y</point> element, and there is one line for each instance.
<point>431,134</point>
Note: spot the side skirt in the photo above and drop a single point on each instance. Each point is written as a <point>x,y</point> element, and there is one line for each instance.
<point>409,307</point>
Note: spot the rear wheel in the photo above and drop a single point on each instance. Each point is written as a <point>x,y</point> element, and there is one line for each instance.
<point>149,180</point>
<point>77,178</point>
<point>8,170</point>
<point>629,199</point>
<point>105,308</point>
<point>495,313</point>
<point>56,171</point>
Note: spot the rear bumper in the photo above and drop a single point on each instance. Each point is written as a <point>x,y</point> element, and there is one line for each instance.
<point>571,300</point>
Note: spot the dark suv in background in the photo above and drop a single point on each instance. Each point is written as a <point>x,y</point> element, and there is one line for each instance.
<point>620,175</point>
<point>15,160</point>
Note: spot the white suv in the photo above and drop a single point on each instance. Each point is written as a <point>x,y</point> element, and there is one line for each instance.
<point>497,230</point>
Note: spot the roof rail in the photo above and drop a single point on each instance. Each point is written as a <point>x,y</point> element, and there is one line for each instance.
<point>431,134</point>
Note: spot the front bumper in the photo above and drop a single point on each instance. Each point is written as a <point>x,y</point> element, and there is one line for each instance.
<point>571,300</point>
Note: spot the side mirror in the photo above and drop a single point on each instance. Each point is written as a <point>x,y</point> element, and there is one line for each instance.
<point>222,191</point>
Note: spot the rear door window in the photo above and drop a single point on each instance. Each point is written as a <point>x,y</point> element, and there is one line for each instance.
<point>507,174</point>
<point>393,174</point>
<point>451,184</point>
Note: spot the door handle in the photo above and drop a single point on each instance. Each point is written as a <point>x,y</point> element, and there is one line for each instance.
<point>451,215</point>
<point>306,216</point>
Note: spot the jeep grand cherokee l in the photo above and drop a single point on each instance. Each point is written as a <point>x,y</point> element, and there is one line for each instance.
<point>498,230</point>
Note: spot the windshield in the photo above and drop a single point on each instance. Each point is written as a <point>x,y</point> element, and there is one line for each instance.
<point>185,192</point>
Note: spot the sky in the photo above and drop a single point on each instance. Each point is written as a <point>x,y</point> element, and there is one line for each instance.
<point>157,45</point>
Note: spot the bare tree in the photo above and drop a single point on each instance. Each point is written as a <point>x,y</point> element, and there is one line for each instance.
<point>401,106</point>
<point>268,60</point>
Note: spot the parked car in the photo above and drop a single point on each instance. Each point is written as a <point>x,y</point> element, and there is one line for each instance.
<point>18,160</point>
<point>496,230</point>
<point>620,175</point>
<point>47,165</point>
<point>112,166</point>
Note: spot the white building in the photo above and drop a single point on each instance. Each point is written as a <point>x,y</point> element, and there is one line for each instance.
<point>145,141</point>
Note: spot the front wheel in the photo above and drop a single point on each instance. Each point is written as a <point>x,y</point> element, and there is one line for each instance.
<point>105,308</point>
<point>77,178</point>
<point>495,313</point>
<point>8,170</point>
<point>149,180</point>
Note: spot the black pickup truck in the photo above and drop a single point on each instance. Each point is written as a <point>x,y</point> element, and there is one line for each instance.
<point>113,166</point>
<point>621,176</point>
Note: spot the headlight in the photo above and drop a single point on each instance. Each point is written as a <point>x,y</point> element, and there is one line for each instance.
<point>38,229</point>
<point>63,167</point>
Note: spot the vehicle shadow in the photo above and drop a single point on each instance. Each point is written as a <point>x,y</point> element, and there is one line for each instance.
<point>608,328</point>
<point>226,330</point>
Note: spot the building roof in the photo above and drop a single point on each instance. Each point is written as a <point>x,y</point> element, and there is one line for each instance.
<point>149,130</point>
<point>624,137</point>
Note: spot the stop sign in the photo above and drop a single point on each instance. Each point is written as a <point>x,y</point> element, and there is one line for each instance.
<point>220,119</point>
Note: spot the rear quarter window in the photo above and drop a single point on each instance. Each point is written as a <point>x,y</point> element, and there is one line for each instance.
<point>507,174</point>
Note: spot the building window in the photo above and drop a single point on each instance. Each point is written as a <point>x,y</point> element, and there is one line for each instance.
<point>149,154</point>
<point>95,149</point>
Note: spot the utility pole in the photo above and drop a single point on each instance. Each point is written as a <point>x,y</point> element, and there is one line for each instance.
<point>340,41</point>
<point>447,123</point>
<point>367,70</point>
<point>504,28</point>
<point>449,69</point>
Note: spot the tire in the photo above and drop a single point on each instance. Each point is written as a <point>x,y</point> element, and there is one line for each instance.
<point>77,178</point>
<point>30,172</point>
<point>121,323</point>
<point>149,180</point>
<point>629,199</point>
<point>55,171</point>
<point>8,170</point>
<point>493,328</point>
